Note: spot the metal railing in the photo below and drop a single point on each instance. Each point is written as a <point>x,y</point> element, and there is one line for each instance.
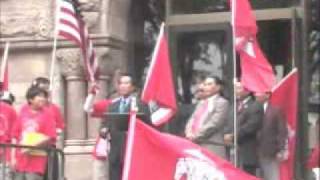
<point>54,163</point>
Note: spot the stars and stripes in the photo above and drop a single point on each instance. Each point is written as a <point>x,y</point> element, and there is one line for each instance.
<point>72,27</point>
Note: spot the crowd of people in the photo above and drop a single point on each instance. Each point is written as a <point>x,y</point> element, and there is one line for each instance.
<point>261,129</point>
<point>261,134</point>
<point>37,124</point>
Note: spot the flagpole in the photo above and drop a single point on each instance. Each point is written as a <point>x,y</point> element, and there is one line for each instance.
<point>54,50</point>
<point>4,61</point>
<point>233,15</point>
<point>130,139</point>
<point>284,79</point>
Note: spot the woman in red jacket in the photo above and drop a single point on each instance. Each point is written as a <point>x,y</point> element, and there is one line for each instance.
<point>35,126</point>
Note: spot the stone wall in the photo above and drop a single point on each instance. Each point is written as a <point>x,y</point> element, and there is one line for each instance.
<point>28,25</point>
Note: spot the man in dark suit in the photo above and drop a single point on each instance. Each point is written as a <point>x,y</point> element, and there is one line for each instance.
<point>272,139</point>
<point>249,120</point>
<point>118,127</point>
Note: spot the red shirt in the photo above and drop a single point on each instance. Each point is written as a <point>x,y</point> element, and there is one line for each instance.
<point>55,112</point>
<point>30,121</point>
<point>8,117</point>
<point>100,107</point>
<point>314,158</point>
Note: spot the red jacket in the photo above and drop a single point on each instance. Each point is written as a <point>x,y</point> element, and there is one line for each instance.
<point>8,117</point>
<point>314,158</point>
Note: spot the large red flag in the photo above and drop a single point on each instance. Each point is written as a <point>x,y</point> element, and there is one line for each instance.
<point>159,87</point>
<point>256,72</point>
<point>4,77</point>
<point>314,158</point>
<point>161,156</point>
<point>244,22</point>
<point>285,96</point>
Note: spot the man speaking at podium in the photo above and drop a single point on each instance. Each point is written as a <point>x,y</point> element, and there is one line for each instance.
<point>116,120</point>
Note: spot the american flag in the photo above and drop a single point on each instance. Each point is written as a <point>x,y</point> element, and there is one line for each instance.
<point>71,26</point>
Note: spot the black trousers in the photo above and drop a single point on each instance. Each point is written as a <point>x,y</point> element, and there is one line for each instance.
<point>251,169</point>
<point>52,169</point>
<point>116,156</point>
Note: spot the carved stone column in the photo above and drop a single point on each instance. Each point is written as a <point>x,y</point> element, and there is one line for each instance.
<point>72,70</point>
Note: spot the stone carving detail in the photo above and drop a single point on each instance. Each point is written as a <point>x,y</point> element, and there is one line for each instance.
<point>103,55</point>
<point>10,25</point>
<point>90,5</point>
<point>36,17</point>
<point>72,64</point>
<point>92,21</point>
<point>91,11</point>
<point>45,27</point>
<point>69,60</point>
<point>25,18</point>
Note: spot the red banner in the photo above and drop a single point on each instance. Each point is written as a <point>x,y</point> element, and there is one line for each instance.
<point>159,87</point>
<point>161,156</point>
<point>285,96</point>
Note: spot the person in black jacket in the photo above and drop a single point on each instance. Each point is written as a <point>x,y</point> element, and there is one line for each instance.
<point>249,120</point>
<point>118,127</point>
<point>272,139</point>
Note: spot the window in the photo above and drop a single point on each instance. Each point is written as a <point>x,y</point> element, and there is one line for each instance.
<point>209,6</point>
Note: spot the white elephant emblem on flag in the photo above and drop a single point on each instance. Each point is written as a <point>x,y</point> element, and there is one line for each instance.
<point>197,167</point>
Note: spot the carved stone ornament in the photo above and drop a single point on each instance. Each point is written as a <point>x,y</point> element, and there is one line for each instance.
<point>72,64</point>
<point>45,27</point>
<point>70,61</point>
<point>91,5</point>
<point>91,11</point>
<point>92,20</point>
<point>103,55</point>
<point>109,62</point>
<point>26,18</point>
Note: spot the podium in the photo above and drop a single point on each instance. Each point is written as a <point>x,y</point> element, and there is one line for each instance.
<point>120,121</point>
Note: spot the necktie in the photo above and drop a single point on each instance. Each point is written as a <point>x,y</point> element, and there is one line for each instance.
<point>122,106</point>
<point>240,106</point>
<point>198,116</point>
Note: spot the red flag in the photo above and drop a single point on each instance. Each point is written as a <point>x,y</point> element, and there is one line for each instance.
<point>4,69</point>
<point>244,22</point>
<point>160,156</point>
<point>71,26</point>
<point>159,86</point>
<point>314,158</point>
<point>256,72</point>
<point>285,96</point>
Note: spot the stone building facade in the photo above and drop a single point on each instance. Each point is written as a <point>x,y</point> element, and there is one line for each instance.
<point>29,25</point>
